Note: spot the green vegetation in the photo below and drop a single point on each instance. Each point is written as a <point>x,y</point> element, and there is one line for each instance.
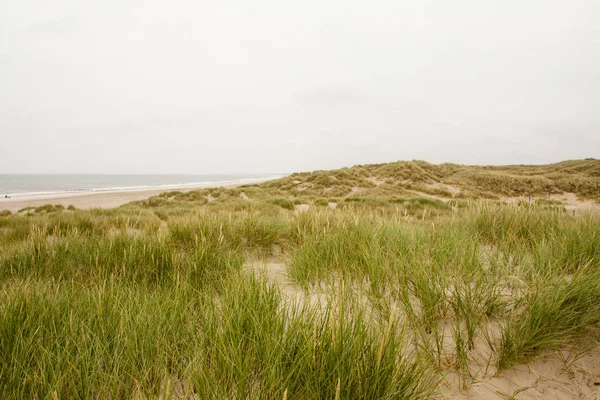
<point>379,297</point>
<point>581,177</point>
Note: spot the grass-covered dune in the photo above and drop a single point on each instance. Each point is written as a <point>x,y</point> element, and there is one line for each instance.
<point>260,292</point>
<point>581,177</point>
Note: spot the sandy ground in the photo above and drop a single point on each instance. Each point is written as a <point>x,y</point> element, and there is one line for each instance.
<point>107,199</point>
<point>576,206</point>
<point>551,377</point>
<point>570,202</point>
<point>548,378</point>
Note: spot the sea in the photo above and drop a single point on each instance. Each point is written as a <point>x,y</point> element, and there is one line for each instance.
<point>16,185</point>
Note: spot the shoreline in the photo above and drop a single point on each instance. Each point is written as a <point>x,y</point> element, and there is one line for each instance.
<point>111,198</point>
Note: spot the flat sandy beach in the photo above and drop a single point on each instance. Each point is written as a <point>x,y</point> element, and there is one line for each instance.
<point>109,198</point>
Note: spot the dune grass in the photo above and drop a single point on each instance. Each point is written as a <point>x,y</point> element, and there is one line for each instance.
<point>523,267</point>
<point>155,299</point>
<point>577,176</point>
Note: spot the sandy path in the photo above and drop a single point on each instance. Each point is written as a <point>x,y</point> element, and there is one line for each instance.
<point>107,199</point>
<point>576,206</point>
<point>570,202</point>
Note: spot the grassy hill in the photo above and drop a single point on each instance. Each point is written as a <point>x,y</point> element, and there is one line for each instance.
<point>581,177</point>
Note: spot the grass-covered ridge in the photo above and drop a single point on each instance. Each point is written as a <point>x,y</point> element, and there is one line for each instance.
<point>449,180</point>
<point>268,291</point>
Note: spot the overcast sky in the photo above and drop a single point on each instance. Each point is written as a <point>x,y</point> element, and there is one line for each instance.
<point>147,86</point>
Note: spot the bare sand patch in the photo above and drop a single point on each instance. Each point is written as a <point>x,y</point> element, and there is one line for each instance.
<point>301,208</point>
<point>575,206</point>
<point>550,378</point>
<point>570,202</point>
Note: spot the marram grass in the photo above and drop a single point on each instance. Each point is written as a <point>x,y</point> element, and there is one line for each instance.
<point>155,299</point>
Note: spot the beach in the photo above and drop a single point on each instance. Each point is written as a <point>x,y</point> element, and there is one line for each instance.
<point>108,198</point>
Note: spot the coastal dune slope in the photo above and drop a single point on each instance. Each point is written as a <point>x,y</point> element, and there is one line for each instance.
<point>403,178</point>
<point>581,177</point>
<point>405,280</point>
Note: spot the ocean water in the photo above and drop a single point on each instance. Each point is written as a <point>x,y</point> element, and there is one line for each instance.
<point>23,185</point>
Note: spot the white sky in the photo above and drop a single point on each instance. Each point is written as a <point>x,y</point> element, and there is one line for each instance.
<point>147,86</point>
